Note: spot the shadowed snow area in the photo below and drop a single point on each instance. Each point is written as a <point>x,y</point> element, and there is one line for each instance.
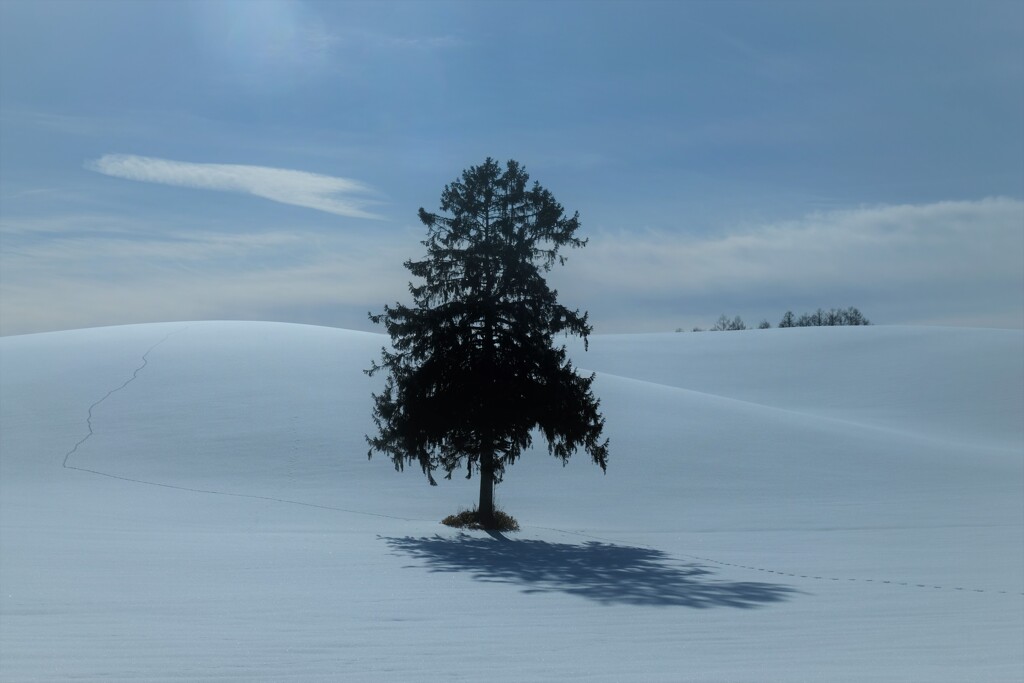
<point>603,572</point>
<point>193,501</point>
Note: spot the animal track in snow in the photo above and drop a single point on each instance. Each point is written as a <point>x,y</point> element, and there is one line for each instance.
<point>88,419</point>
<point>908,584</point>
<point>134,376</point>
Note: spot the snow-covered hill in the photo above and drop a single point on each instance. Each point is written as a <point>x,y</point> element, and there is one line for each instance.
<point>193,501</point>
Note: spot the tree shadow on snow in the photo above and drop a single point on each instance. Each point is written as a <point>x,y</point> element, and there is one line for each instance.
<point>602,572</point>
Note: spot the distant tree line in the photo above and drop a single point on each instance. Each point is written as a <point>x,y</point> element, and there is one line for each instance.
<point>830,318</point>
<point>820,318</point>
<point>724,324</point>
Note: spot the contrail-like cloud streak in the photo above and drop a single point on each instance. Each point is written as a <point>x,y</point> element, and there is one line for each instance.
<point>287,186</point>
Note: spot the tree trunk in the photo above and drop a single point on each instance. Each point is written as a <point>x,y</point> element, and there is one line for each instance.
<point>485,510</point>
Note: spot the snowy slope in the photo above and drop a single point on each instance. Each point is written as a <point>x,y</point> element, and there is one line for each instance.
<point>192,501</point>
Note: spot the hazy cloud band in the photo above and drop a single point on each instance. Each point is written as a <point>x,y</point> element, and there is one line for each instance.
<point>947,263</point>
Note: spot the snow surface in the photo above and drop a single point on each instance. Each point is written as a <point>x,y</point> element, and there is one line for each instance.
<point>193,501</point>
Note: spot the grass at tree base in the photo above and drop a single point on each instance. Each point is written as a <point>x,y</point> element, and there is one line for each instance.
<point>470,519</point>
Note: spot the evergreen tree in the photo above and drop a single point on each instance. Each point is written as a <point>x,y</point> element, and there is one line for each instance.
<point>474,371</point>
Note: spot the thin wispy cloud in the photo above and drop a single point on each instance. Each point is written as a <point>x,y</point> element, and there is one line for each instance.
<point>429,42</point>
<point>287,186</point>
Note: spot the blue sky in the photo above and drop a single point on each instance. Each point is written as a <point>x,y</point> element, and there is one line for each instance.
<point>266,159</point>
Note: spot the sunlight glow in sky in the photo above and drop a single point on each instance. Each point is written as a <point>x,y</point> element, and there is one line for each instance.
<point>265,159</point>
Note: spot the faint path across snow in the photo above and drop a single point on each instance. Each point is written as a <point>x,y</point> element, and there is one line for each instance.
<point>88,419</point>
<point>134,376</point>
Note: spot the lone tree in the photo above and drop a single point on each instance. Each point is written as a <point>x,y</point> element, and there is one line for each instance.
<point>474,372</point>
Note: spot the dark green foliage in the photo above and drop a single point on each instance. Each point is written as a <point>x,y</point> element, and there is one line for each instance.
<point>474,371</point>
<point>470,519</point>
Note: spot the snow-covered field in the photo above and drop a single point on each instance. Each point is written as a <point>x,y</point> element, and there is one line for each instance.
<point>193,501</point>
